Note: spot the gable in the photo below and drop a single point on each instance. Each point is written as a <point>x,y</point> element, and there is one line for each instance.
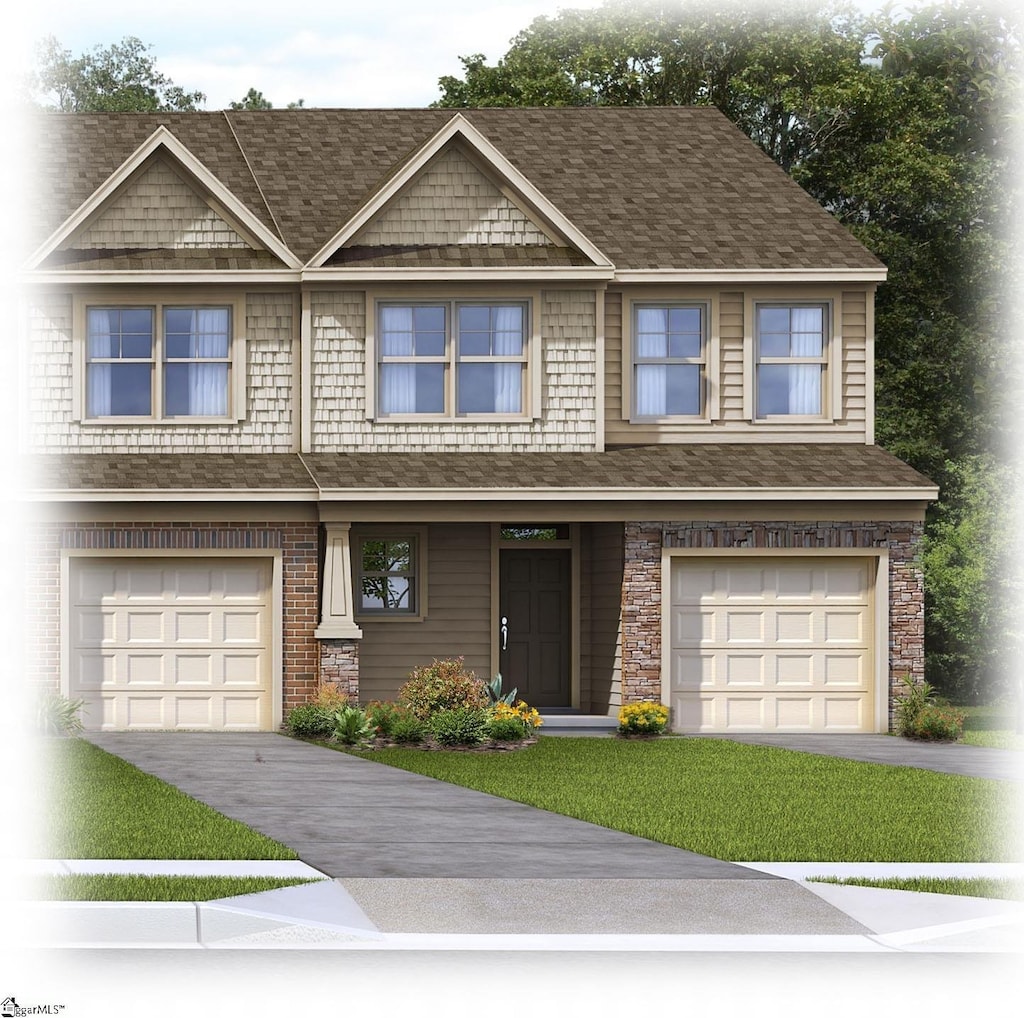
<point>157,209</point>
<point>452,203</point>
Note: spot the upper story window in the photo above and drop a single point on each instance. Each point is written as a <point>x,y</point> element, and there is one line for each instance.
<point>792,355</point>
<point>452,358</point>
<point>158,362</point>
<point>669,360</point>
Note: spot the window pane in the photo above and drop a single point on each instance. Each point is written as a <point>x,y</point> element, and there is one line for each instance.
<point>651,344</point>
<point>399,557</point>
<point>103,333</point>
<point>474,319</point>
<point>429,344</point>
<point>686,345</point>
<point>558,532</point>
<point>684,320</point>
<point>474,344</point>
<point>773,319</point>
<point>374,556</point>
<point>196,332</point>
<point>118,390</point>
<point>412,388</point>
<point>113,332</point>
<point>788,389</point>
<point>652,320</point>
<point>428,318</point>
<point>774,345</point>
<point>806,344</point>
<point>197,390</point>
<point>683,395</point>
<point>490,389</point>
<point>650,390</point>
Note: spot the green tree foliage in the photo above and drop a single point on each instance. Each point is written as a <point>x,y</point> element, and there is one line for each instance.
<point>252,100</point>
<point>902,124</point>
<point>121,77</point>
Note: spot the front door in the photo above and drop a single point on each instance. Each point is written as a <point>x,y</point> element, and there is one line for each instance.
<point>535,617</point>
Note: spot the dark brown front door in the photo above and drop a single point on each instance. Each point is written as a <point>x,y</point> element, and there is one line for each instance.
<point>535,619</point>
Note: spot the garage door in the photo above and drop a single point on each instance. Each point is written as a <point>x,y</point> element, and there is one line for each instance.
<point>171,643</point>
<point>772,645</point>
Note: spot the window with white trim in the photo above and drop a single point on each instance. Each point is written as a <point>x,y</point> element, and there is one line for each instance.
<point>669,360</point>
<point>452,358</point>
<point>792,357</point>
<point>158,362</point>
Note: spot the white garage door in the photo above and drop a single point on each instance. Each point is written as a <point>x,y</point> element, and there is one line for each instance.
<point>171,643</point>
<point>772,645</point>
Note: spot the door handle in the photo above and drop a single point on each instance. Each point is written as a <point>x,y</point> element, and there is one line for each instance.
<point>504,632</point>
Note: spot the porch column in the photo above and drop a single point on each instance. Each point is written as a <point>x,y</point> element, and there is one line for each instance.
<point>641,613</point>
<point>338,633</point>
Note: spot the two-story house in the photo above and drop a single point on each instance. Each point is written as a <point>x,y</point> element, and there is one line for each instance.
<point>582,395</point>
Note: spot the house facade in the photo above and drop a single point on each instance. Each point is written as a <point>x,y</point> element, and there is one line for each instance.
<point>583,396</point>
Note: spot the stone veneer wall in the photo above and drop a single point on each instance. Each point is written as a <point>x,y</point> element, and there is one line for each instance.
<point>339,665</point>
<point>641,586</point>
<point>298,545</point>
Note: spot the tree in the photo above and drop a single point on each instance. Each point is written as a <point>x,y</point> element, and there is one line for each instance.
<point>901,125</point>
<point>252,100</point>
<point>121,77</point>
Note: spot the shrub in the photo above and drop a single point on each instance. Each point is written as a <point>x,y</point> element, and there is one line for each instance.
<point>382,716</point>
<point>57,715</point>
<point>459,726</point>
<point>407,728</point>
<point>644,718</point>
<point>442,685</point>
<point>310,721</point>
<point>351,726</point>
<point>493,690</point>
<point>506,729</point>
<point>329,697</point>
<point>520,711</point>
<point>920,714</point>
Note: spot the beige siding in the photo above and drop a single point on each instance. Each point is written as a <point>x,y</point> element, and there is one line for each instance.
<point>600,610</point>
<point>567,419</point>
<point>158,210</point>
<point>728,371</point>
<point>270,329</point>
<point>451,203</point>
<point>458,621</point>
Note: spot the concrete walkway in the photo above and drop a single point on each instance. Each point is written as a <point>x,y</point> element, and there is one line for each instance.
<point>417,863</point>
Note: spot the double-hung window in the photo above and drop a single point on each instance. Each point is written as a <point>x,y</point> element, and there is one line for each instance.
<point>386,575</point>
<point>160,362</point>
<point>452,358</point>
<point>669,360</point>
<point>792,354</point>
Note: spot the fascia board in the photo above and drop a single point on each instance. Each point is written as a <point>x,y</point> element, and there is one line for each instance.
<point>866,275</point>
<point>462,273</point>
<point>162,138</point>
<point>459,125</point>
<point>170,495</point>
<point>229,276</point>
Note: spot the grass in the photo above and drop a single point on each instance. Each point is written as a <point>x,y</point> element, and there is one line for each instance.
<point>98,806</point>
<point>133,887</point>
<point>974,887</point>
<point>992,726</point>
<point>744,802</point>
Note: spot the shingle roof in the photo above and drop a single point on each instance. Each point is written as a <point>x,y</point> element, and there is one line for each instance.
<point>694,467</point>
<point>653,188</point>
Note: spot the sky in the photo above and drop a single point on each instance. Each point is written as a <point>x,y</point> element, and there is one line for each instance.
<point>331,53</point>
<point>355,53</point>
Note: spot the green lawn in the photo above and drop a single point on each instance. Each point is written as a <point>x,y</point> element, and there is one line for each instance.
<point>98,806</point>
<point>993,726</point>
<point>133,887</point>
<point>975,887</point>
<point>744,802</point>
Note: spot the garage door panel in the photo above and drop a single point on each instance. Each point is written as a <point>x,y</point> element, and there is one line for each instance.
<point>171,644</point>
<point>773,659</point>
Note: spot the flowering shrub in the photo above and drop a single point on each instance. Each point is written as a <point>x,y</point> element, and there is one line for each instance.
<point>442,685</point>
<point>519,711</point>
<point>920,714</point>
<point>329,697</point>
<point>644,718</point>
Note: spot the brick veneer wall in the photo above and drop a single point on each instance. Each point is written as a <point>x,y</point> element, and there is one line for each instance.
<point>298,545</point>
<point>641,586</point>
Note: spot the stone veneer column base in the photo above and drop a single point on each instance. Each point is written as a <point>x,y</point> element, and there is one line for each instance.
<point>339,665</point>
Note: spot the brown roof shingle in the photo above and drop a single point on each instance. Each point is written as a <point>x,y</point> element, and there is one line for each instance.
<point>653,188</point>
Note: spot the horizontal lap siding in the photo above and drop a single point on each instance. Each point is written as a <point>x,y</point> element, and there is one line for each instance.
<point>854,325</point>
<point>458,619</point>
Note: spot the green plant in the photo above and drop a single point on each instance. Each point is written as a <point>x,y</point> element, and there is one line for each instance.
<point>442,685</point>
<point>382,715</point>
<point>310,721</point>
<point>351,726</point>
<point>520,711</point>
<point>329,697</point>
<point>459,726</point>
<point>407,728</point>
<point>494,692</point>
<point>506,729</point>
<point>643,718</point>
<point>57,715</point>
<point>920,714</point>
